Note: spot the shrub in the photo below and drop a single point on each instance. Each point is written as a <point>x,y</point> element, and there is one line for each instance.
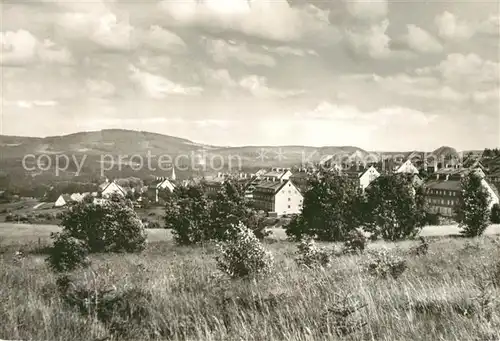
<point>495,214</point>
<point>67,253</point>
<point>383,263</point>
<point>243,256</point>
<point>9,217</point>
<point>153,225</point>
<point>355,242</point>
<point>109,227</point>
<point>310,254</point>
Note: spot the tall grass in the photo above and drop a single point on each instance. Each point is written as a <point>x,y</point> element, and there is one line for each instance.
<point>441,296</point>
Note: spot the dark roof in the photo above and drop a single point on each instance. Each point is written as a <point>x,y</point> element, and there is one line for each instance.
<point>450,185</point>
<point>270,185</point>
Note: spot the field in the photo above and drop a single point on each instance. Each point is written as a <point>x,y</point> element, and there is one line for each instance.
<point>179,295</point>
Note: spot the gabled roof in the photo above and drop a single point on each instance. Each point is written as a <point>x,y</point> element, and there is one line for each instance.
<point>494,188</point>
<point>450,185</point>
<point>120,188</point>
<point>273,186</point>
<point>66,197</point>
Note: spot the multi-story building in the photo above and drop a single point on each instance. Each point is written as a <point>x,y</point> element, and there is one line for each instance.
<point>444,189</point>
<point>277,197</point>
<point>363,177</point>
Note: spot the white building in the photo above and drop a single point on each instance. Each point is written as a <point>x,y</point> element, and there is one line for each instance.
<point>112,188</point>
<point>364,177</point>
<point>408,168</point>
<point>277,197</point>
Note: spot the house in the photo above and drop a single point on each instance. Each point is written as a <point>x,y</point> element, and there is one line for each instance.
<point>212,184</point>
<point>63,200</point>
<point>443,191</point>
<point>363,177</point>
<point>277,174</point>
<point>112,188</point>
<point>277,197</point>
<point>407,167</point>
<point>301,178</point>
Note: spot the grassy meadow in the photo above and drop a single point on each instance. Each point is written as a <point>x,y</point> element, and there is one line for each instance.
<point>176,293</point>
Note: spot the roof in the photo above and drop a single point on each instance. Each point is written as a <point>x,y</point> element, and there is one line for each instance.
<point>66,197</point>
<point>494,188</point>
<point>270,185</point>
<point>450,185</point>
<point>120,188</point>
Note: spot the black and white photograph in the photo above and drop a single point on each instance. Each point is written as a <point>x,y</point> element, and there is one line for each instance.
<point>249,170</point>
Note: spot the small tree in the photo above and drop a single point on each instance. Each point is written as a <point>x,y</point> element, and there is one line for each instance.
<point>394,209</point>
<point>495,214</point>
<point>330,210</point>
<point>186,214</point>
<point>243,256</point>
<point>472,210</point>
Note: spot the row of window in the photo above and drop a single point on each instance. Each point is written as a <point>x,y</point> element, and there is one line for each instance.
<point>443,192</point>
<point>442,201</point>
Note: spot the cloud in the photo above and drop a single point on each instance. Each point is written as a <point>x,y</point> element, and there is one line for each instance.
<point>222,51</point>
<point>273,20</point>
<point>157,87</point>
<point>490,26</point>
<point>22,47</point>
<point>290,51</point>
<point>460,68</point>
<point>422,41</point>
<point>28,104</point>
<point>98,26</point>
<point>158,38</point>
<point>373,41</point>
<point>100,88</point>
<point>451,28</point>
<point>367,9</point>
<point>257,85</point>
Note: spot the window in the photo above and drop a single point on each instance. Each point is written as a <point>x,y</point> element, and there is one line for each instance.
<point>288,206</point>
<point>289,199</point>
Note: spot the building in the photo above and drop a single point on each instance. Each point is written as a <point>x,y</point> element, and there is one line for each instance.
<point>112,188</point>
<point>63,200</point>
<point>407,168</point>
<point>277,197</point>
<point>277,174</point>
<point>443,191</point>
<point>364,177</point>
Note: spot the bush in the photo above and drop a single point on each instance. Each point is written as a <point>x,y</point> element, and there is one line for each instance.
<point>67,253</point>
<point>243,256</point>
<point>495,214</point>
<point>153,225</point>
<point>355,242</point>
<point>382,263</point>
<point>109,227</point>
<point>91,228</point>
<point>309,254</point>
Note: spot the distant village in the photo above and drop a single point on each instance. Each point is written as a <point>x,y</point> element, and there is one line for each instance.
<point>279,191</point>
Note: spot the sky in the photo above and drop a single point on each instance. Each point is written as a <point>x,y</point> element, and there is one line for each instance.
<point>380,75</point>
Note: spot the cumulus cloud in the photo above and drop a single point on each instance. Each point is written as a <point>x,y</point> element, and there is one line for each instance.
<point>450,27</point>
<point>373,41</point>
<point>367,9</point>
<point>465,68</point>
<point>275,20</point>
<point>157,87</point>
<point>258,86</point>
<point>290,51</point>
<point>100,27</point>
<point>22,47</point>
<point>422,41</point>
<point>161,39</point>
<point>222,51</point>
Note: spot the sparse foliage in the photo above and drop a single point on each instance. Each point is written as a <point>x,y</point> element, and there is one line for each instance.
<point>384,263</point>
<point>311,255</point>
<point>355,242</point>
